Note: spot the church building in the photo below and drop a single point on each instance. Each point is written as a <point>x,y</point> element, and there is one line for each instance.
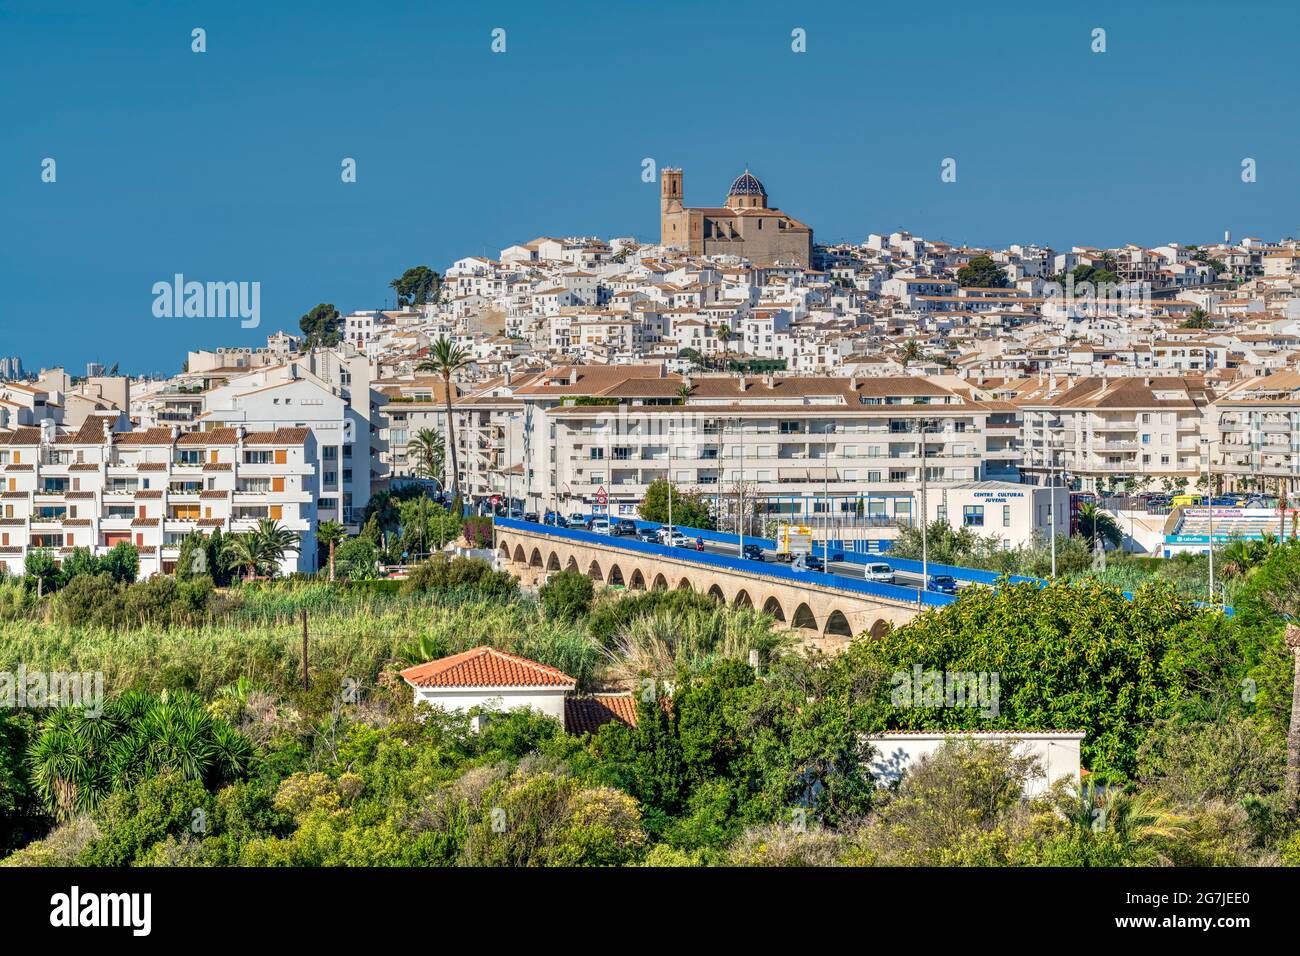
<point>745,226</point>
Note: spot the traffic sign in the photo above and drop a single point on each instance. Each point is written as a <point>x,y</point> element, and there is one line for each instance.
<point>602,496</point>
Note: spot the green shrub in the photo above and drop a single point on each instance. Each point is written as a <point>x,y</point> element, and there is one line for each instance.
<point>441,573</point>
<point>90,598</point>
<point>568,595</point>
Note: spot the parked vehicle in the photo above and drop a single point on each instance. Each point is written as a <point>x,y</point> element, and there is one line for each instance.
<point>577,520</point>
<point>598,526</point>
<point>531,517</point>
<point>753,552</point>
<point>943,583</point>
<point>624,528</point>
<point>879,572</point>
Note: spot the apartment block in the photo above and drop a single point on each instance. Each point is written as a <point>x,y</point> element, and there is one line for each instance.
<point>97,487</point>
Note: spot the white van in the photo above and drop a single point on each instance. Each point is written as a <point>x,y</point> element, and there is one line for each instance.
<point>879,572</point>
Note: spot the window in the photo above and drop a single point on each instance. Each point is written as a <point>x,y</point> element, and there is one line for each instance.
<point>973,516</point>
<point>1006,516</point>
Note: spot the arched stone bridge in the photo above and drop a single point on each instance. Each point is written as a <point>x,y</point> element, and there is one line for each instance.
<point>818,610</point>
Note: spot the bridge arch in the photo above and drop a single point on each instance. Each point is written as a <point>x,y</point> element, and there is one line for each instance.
<point>504,551</point>
<point>519,554</point>
<point>615,576</point>
<point>637,581</point>
<point>880,628</point>
<point>742,599</point>
<point>660,583</point>
<point>773,607</point>
<point>535,559</point>
<point>715,592</point>
<point>803,618</point>
<point>594,572</point>
<point>837,624</point>
<point>553,562</point>
<point>685,585</point>
<point>572,565</point>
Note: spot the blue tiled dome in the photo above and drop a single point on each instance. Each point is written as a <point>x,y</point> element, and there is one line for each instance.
<point>747,184</point>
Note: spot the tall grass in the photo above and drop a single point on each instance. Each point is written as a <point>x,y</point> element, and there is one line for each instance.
<point>257,634</point>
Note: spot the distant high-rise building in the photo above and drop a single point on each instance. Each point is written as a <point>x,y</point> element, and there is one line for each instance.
<point>11,367</point>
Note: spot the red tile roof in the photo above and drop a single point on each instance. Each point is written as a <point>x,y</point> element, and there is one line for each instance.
<point>586,715</point>
<point>485,667</point>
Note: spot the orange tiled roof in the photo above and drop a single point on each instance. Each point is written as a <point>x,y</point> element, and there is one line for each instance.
<point>485,667</point>
<point>586,715</point>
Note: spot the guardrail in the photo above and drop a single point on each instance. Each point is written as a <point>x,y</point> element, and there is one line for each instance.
<point>775,572</point>
<point>933,598</point>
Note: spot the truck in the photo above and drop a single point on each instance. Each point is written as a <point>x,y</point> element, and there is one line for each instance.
<point>793,539</point>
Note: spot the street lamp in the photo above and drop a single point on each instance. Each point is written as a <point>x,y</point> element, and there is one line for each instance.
<point>925,511</point>
<point>1209,487</point>
<point>827,428</point>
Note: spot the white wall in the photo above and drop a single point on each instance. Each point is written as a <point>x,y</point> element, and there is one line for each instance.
<point>548,701</point>
<point>1057,753</point>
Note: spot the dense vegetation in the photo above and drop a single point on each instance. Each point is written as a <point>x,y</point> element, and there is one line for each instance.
<point>211,752</point>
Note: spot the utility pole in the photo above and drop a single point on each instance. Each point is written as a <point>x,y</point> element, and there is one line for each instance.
<point>304,649</point>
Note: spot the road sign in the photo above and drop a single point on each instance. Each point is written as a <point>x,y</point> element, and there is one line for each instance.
<point>602,496</point>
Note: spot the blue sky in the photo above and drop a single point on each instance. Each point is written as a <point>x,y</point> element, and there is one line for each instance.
<point>225,166</point>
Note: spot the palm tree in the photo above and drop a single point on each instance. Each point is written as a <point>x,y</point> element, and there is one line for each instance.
<point>262,549</point>
<point>684,392</point>
<point>330,533</point>
<point>77,759</point>
<point>446,358</point>
<point>429,452</point>
<point>724,336</point>
<point>912,352</point>
<point>1096,523</point>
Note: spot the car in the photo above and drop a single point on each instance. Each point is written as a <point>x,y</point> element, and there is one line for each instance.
<point>1224,501</point>
<point>943,583</point>
<point>531,517</point>
<point>676,539</point>
<point>517,514</point>
<point>878,572</point>
<point>665,532</point>
<point>555,518</point>
<point>648,535</point>
<point>624,528</point>
<point>598,526</point>
<point>753,552</point>
<point>808,562</point>
<point>785,557</point>
<point>577,520</point>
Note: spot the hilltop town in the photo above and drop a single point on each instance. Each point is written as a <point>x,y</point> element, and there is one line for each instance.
<point>735,358</point>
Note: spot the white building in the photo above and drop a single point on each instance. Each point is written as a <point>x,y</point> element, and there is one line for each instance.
<point>1057,752</point>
